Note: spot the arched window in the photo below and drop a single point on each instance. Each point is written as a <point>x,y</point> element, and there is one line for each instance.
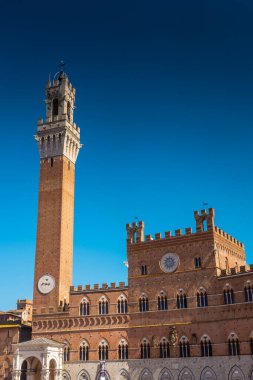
<point>84,351</point>
<point>68,110</point>
<point>162,302</point>
<point>248,292</point>
<point>233,345</point>
<point>181,300</point>
<point>103,350</point>
<point>202,300</point>
<point>145,349</point>
<point>184,347</point>
<point>164,348</point>
<point>144,270</point>
<point>103,306</point>
<point>143,303</point>
<point>122,304</point>
<point>123,350</point>
<point>206,346</point>
<point>197,262</point>
<point>55,107</point>
<point>84,307</point>
<point>66,354</point>
<point>228,295</point>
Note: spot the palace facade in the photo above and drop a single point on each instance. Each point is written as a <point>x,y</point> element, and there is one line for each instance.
<point>186,312</point>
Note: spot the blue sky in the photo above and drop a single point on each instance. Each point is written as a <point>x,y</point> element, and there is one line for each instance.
<point>164,103</point>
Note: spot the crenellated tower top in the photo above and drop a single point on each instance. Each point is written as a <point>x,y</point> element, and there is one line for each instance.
<point>58,134</point>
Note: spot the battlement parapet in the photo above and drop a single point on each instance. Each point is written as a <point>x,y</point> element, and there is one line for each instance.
<point>235,271</point>
<point>96,287</point>
<point>204,224</point>
<point>228,237</point>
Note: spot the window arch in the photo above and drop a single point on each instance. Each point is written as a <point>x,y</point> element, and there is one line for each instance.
<point>165,374</point>
<point>144,270</point>
<point>181,299</point>
<point>68,110</point>
<point>66,353</point>
<point>248,292</point>
<point>197,262</point>
<point>186,374</point>
<point>233,345</point>
<point>164,348</point>
<point>84,351</point>
<point>145,349</point>
<point>236,374</point>
<point>103,306</point>
<point>162,302</point>
<point>103,350</point>
<point>145,375</point>
<point>184,347</point>
<point>143,303</point>
<point>208,374</point>
<point>55,107</point>
<point>202,300</point>
<point>228,295</point>
<point>123,350</point>
<point>85,307</point>
<point>122,304</point>
<point>206,346</point>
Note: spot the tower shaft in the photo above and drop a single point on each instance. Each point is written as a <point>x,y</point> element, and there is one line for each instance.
<point>59,142</point>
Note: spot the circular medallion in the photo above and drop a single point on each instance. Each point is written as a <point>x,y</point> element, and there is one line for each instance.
<point>46,284</point>
<point>169,262</point>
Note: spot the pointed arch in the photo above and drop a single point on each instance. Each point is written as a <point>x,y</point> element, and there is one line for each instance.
<point>206,346</point>
<point>186,374</point>
<point>164,348</point>
<point>184,347</point>
<point>83,375</point>
<point>236,374</point>
<point>103,350</point>
<point>123,349</point>
<point>65,375</point>
<point>145,349</point>
<point>84,306</point>
<point>248,291</point>
<point>103,305</point>
<point>162,301</point>
<point>208,374</point>
<point>202,300</point>
<point>181,299</point>
<point>228,295</point>
<point>143,303</point>
<point>233,344</point>
<point>165,374</point>
<point>84,351</point>
<point>146,374</point>
<point>124,375</point>
<point>122,304</point>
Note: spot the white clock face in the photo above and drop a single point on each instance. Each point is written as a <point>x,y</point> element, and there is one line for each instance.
<point>46,284</point>
<point>169,262</point>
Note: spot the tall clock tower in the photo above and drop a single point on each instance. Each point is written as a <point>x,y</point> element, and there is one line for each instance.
<point>58,140</point>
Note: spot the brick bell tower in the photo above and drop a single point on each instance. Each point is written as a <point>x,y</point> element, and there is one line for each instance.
<point>58,140</point>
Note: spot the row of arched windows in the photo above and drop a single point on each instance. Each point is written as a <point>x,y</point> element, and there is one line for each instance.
<point>206,348</point>
<point>162,301</point>
<point>103,306</point>
<point>201,299</point>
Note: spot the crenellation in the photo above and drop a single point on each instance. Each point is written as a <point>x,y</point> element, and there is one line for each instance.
<point>158,235</point>
<point>168,234</point>
<point>178,232</point>
<point>148,238</point>
<point>104,286</point>
<point>188,231</point>
<point>80,287</point>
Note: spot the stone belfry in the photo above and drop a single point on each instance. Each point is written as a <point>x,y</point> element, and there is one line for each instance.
<point>58,140</point>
